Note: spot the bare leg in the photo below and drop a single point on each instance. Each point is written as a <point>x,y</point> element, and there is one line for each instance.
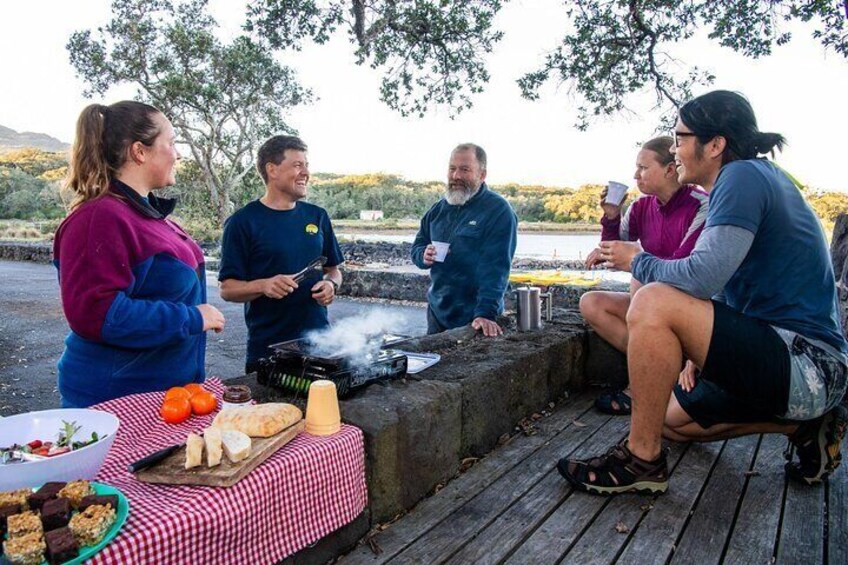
<point>679,426</point>
<point>664,324</point>
<point>606,312</point>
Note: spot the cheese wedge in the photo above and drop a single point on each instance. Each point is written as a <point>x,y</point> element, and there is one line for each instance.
<point>214,447</point>
<point>194,451</point>
<point>236,445</point>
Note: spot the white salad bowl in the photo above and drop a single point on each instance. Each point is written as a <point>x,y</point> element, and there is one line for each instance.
<point>82,463</point>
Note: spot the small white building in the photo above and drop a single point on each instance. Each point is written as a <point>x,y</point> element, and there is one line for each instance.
<point>371,215</point>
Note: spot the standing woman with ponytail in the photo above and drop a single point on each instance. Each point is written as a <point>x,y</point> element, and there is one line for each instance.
<point>132,282</point>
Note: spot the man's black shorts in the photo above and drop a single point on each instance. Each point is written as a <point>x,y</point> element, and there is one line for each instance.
<point>745,377</point>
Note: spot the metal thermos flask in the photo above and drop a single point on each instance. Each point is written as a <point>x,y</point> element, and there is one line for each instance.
<point>529,308</point>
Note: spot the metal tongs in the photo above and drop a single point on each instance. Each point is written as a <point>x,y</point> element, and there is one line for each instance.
<point>316,263</point>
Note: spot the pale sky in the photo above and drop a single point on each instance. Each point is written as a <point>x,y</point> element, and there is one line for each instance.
<point>799,91</point>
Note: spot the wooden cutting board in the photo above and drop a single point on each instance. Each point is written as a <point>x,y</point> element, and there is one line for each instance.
<point>172,471</point>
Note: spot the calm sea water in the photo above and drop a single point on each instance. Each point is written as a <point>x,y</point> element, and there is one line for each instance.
<point>531,245</point>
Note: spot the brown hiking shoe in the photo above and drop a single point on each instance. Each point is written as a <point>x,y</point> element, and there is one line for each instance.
<point>615,472</point>
<point>818,443</point>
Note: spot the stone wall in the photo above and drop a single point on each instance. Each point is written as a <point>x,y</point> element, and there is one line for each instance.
<point>356,253</point>
<point>377,283</point>
<point>394,285</point>
<point>24,251</point>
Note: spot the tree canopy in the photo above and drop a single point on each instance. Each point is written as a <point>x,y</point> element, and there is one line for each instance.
<point>619,47</point>
<point>433,52</point>
<point>223,98</point>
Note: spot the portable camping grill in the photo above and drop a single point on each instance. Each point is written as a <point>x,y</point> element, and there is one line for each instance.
<point>292,367</point>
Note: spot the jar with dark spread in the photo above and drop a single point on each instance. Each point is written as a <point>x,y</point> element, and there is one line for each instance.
<point>236,396</point>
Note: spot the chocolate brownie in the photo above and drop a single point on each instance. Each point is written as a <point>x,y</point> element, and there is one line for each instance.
<point>47,492</point>
<point>61,545</point>
<point>104,499</point>
<point>55,513</point>
<point>5,511</point>
<point>37,500</point>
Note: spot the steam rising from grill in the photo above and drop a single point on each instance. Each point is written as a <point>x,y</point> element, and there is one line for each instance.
<point>357,338</point>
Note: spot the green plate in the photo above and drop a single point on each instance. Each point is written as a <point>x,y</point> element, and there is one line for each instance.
<point>88,551</point>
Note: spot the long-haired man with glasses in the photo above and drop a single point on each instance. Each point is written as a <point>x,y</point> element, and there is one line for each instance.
<point>753,311</point>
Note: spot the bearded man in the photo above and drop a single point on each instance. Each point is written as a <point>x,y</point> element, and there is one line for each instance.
<point>466,240</point>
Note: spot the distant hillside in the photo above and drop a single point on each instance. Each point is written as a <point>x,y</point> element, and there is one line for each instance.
<point>10,139</point>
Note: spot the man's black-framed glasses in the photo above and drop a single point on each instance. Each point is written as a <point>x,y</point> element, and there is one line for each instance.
<point>678,134</point>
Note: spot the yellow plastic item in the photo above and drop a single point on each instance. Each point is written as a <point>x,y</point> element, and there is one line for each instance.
<point>322,409</point>
<point>547,278</point>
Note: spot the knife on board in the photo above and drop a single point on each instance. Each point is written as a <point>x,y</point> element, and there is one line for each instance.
<point>153,458</point>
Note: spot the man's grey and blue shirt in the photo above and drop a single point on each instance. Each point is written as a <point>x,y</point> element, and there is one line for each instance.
<point>763,250</point>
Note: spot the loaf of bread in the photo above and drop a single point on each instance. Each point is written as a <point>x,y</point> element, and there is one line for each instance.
<point>194,451</point>
<point>214,449</point>
<point>260,420</point>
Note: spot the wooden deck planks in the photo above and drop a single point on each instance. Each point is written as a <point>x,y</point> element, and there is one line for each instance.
<point>603,539</point>
<point>442,541</point>
<point>802,528</point>
<point>709,528</point>
<point>755,530</point>
<point>513,507</point>
<point>837,513</point>
<point>654,541</point>
<point>556,534</point>
<point>517,522</point>
<point>432,511</point>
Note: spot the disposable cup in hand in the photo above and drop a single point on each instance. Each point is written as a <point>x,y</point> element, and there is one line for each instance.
<point>615,192</point>
<point>441,250</point>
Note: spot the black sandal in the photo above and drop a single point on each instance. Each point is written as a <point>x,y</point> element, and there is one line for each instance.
<point>617,471</point>
<point>617,403</point>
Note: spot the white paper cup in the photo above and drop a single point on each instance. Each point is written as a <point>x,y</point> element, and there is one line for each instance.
<point>441,250</point>
<point>615,192</point>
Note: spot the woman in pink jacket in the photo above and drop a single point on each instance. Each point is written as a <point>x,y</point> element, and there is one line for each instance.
<point>666,221</point>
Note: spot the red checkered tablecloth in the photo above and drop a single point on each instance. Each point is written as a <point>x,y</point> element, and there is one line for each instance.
<point>309,488</point>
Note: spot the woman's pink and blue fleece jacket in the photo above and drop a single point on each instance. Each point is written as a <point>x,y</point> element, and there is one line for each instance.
<point>130,281</point>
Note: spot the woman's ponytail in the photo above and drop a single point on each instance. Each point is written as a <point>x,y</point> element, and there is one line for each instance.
<point>100,149</point>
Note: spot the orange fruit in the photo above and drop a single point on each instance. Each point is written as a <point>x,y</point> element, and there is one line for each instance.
<point>177,392</point>
<point>175,410</point>
<point>194,388</point>
<point>203,403</point>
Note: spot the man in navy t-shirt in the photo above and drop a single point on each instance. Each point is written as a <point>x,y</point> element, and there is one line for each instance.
<point>752,311</point>
<point>268,241</point>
